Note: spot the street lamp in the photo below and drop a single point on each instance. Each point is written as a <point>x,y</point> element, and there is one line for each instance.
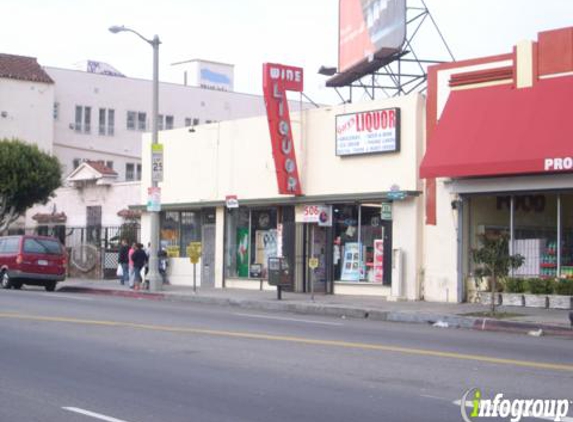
<point>155,280</point>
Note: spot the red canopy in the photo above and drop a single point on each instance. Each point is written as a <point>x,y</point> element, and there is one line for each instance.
<point>502,130</point>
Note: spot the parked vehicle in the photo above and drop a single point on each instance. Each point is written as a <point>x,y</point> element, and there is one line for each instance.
<point>35,260</point>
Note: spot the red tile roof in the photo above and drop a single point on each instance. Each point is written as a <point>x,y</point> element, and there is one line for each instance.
<point>50,218</point>
<point>22,68</point>
<point>101,168</point>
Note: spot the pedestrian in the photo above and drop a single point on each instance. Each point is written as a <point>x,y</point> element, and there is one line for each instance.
<point>123,261</point>
<point>139,258</point>
<point>130,259</point>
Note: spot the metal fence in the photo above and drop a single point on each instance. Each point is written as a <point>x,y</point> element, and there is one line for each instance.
<point>92,250</point>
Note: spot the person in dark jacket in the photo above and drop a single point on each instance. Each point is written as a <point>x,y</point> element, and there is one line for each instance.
<point>123,260</point>
<point>139,259</point>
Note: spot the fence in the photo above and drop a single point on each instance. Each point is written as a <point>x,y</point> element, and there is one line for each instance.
<point>92,250</point>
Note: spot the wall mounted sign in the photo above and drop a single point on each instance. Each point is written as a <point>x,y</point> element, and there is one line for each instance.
<point>321,214</point>
<point>277,79</point>
<point>368,132</point>
<point>231,201</point>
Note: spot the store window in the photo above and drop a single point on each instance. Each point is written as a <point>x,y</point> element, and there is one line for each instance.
<point>359,244</point>
<point>540,228</point>
<point>251,239</point>
<point>178,229</point>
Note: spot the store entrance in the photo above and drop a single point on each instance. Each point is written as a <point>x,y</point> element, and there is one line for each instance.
<point>316,247</point>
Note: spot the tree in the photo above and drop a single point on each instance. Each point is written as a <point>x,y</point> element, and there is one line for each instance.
<point>496,261</point>
<point>28,176</point>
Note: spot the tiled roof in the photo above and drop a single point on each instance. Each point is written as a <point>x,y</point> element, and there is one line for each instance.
<point>101,168</point>
<point>22,68</point>
<point>50,218</point>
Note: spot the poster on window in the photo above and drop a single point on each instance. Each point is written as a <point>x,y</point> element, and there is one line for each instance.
<point>378,260</point>
<point>266,247</point>
<point>243,252</point>
<point>351,262</point>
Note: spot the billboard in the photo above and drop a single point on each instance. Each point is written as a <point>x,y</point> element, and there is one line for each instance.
<point>369,30</point>
<point>368,132</point>
<point>277,79</point>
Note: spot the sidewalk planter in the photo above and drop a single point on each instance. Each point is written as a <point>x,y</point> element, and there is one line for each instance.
<point>485,298</point>
<point>560,302</point>
<point>535,301</point>
<point>512,299</point>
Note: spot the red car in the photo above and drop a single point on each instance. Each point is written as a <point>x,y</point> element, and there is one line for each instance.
<point>35,260</point>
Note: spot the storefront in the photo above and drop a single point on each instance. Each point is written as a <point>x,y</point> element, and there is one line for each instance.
<point>359,215</point>
<point>499,162</point>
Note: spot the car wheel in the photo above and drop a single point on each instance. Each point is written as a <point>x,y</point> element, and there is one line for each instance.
<point>5,280</point>
<point>50,286</point>
<point>17,285</point>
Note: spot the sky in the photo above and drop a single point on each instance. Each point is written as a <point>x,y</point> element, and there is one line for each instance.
<point>247,33</point>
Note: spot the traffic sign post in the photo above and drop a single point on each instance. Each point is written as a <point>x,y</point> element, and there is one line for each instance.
<point>313,265</point>
<point>194,252</point>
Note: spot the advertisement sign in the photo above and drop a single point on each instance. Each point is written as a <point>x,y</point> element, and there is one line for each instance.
<point>277,79</point>
<point>386,211</point>
<point>351,262</point>
<point>231,201</point>
<point>243,252</point>
<point>378,260</point>
<point>157,162</point>
<point>368,30</point>
<point>154,199</point>
<point>321,214</point>
<point>368,132</point>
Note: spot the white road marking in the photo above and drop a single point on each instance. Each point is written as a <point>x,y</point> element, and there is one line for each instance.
<point>563,419</point>
<point>93,414</point>
<point>307,321</point>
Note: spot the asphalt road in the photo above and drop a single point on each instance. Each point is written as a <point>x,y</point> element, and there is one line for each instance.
<point>80,358</point>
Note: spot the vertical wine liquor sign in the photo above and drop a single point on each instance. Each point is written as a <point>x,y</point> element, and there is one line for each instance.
<point>277,79</point>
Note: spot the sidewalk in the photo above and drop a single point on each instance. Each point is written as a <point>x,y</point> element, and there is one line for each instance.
<point>552,322</point>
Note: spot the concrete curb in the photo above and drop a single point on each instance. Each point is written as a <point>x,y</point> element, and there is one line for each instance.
<point>340,311</point>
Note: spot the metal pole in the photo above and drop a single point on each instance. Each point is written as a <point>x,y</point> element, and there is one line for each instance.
<point>194,277</point>
<point>155,282</point>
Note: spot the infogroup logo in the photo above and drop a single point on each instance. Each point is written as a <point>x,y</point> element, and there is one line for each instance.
<point>474,407</point>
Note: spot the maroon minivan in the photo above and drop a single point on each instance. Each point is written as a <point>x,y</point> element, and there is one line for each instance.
<point>35,260</point>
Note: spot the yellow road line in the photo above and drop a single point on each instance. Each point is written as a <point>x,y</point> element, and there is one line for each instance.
<point>300,340</point>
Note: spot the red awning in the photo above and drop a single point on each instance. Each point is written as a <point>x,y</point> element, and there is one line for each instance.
<point>501,130</point>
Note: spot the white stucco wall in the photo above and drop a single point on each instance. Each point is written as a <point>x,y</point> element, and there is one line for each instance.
<point>26,112</point>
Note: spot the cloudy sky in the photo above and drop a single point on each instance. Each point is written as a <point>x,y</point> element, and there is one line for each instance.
<point>246,33</point>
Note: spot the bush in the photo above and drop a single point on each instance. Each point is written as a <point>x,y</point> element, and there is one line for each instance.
<point>540,286</point>
<point>514,285</point>
<point>564,287</point>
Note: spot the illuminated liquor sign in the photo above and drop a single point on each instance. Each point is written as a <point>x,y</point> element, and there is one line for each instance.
<point>277,79</point>
<point>368,132</point>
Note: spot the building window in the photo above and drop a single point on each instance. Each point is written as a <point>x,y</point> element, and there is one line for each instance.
<point>83,119</point>
<point>78,120</point>
<point>77,163</point>
<point>138,174</point>
<point>131,116</point>
<point>160,122</point>
<point>87,119</point>
<point>191,121</point>
<point>56,111</point>
<point>178,229</point>
<point>129,172</point>
<point>109,164</point>
<point>141,121</point>
<point>169,122</point>
<point>106,121</point>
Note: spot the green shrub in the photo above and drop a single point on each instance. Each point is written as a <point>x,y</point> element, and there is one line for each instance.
<point>514,285</point>
<point>540,286</point>
<point>564,286</point>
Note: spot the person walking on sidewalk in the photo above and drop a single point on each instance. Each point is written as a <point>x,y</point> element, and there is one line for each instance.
<point>139,259</point>
<point>123,260</point>
<point>130,258</point>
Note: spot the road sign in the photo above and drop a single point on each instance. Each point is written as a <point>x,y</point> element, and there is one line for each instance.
<point>157,162</point>
<point>154,199</point>
<point>386,211</point>
<point>396,195</point>
<point>194,251</point>
<point>313,263</point>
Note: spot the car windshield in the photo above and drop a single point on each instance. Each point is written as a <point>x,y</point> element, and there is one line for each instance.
<point>42,246</point>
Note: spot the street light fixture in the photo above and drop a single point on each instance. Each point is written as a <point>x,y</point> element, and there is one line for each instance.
<point>155,280</point>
